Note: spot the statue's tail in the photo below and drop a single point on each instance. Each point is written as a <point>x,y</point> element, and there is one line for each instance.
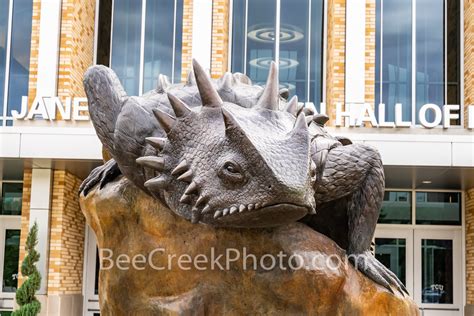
<point>106,96</point>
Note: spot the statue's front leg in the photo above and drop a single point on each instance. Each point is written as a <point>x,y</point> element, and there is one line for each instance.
<point>356,172</point>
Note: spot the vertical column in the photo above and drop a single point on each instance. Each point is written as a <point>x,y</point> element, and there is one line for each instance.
<point>187,46</point>
<point>202,25</point>
<point>468,57</point>
<point>370,16</point>
<point>40,206</point>
<point>220,38</point>
<point>469,211</point>
<point>335,67</point>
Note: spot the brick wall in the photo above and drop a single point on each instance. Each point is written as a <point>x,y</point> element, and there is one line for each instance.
<point>468,56</point>
<point>370,51</point>
<point>76,52</point>
<point>470,246</point>
<point>35,26</point>
<point>220,37</point>
<point>25,217</point>
<point>187,48</point>
<point>335,66</point>
<point>66,236</point>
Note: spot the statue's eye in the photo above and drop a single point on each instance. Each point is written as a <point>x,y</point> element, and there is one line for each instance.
<point>231,167</point>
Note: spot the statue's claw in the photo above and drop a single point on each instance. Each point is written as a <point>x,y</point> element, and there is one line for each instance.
<point>100,175</point>
<point>377,272</point>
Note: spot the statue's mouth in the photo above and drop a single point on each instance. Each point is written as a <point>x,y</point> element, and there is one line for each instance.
<point>260,216</point>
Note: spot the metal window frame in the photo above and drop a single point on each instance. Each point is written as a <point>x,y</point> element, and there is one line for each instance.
<point>5,116</point>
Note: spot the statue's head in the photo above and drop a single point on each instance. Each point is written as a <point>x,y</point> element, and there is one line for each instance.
<point>226,165</point>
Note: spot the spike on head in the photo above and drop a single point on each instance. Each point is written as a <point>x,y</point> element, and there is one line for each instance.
<point>179,107</point>
<point>208,93</point>
<point>163,83</point>
<point>166,121</point>
<point>292,107</point>
<point>157,142</point>
<point>271,96</point>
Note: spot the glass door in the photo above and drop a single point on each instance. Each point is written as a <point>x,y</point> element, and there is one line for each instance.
<point>91,275</point>
<point>394,249</point>
<point>9,261</point>
<point>438,262</point>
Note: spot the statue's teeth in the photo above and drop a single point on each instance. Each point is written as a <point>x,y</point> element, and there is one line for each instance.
<point>250,207</point>
<point>186,177</point>
<point>195,216</point>
<point>201,199</point>
<point>225,212</point>
<point>156,184</point>
<point>153,162</point>
<point>192,188</point>
<point>217,214</point>
<point>241,208</point>
<point>180,168</point>
<point>257,205</point>
<point>206,209</point>
<point>312,211</point>
<point>185,199</point>
<point>233,209</point>
<point>156,142</point>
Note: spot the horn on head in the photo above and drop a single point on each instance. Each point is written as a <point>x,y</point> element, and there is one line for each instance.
<point>208,93</point>
<point>270,97</point>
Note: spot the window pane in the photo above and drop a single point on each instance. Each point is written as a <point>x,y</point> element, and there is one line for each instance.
<point>158,44</point>
<point>391,252</point>
<point>19,53</point>
<point>316,53</point>
<point>437,274</point>
<point>238,34</point>
<point>438,208</point>
<point>126,43</point>
<point>396,208</point>
<point>3,47</point>
<point>260,39</point>
<point>453,29</point>
<point>429,54</point>
<point>294,26</point>
<point>11,198</point>
<point>393,26</point>
<point>178,41</point>
<point>10,261</point>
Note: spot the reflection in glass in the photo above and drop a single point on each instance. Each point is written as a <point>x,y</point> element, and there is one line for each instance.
<point>453,58</point>
<point>11,198</point>
<point>316,53</point>
<point>437,271</point>
<point>19,53</point>
<point>429,54</point>
<point>260,38</point>
<point>393,51</point>
<point>3,47</point>
<point>10,261</point>
<point>391,252</point>
<point>396,208</point>
<point>125,59</point>
<point>438,208</point>
<point>178,45</point>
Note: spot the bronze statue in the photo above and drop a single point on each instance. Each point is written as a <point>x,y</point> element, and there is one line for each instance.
<point>227,153</point>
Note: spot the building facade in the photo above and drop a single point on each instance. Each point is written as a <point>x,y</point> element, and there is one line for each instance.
<point>395,74</point>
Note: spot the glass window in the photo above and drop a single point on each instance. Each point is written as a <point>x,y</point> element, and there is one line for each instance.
<point>11,198</point>
<point>15,42</point>
<point>391,252</point>
<point>436,51</point>
<point>162,49</point>
<point>10,264</point>
<point>437,275</point>
<point>299,46</point>
<point>438,208</point>
<point>396,208</point>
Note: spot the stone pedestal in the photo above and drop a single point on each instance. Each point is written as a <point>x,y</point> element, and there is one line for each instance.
<point>310,274</point>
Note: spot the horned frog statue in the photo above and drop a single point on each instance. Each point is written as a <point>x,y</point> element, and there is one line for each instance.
<point>227,153</point>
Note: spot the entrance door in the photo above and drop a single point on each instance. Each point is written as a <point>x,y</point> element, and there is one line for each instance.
<point>438,276</point>
<point>428,262</point>
<point>9,256</point>
<point>91,275</point>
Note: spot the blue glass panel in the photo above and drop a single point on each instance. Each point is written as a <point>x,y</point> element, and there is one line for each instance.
<point>260,39</point>
<point>19,53</point>
<point>438,208</point>
<point>158,41</point>
<point>10,260</point>
<point>178,41</point>
<point>294,44</point>
<point>429,54</point>
<point>125,59</point>
<point>316,63</point>
<point>3,48</point>
<point>238,35</point>
<point>378,34</point>
<point>395,21</point>
<point>396,208</point>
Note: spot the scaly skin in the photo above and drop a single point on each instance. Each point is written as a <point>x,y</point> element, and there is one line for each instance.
<point>223,153</point>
